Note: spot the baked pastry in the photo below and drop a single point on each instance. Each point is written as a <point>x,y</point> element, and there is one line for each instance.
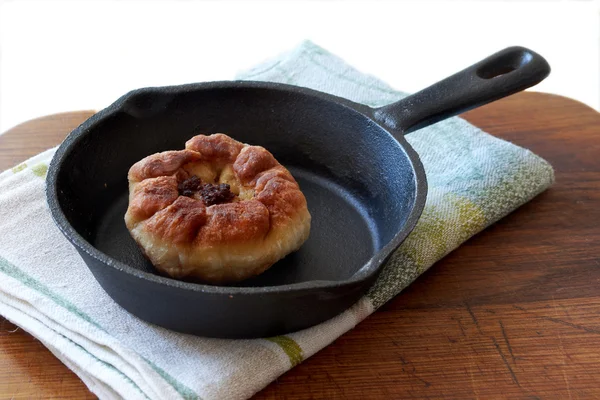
<point>219,211</point>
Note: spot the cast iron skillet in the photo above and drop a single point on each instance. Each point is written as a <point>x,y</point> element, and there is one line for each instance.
<point>364,184</point>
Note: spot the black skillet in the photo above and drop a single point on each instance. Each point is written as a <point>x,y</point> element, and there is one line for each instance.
<point>364,184</point>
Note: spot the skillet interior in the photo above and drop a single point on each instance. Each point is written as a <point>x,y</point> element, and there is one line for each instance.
<point>359,182</point>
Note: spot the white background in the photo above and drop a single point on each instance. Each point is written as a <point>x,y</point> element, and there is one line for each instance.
<point>61,56</point>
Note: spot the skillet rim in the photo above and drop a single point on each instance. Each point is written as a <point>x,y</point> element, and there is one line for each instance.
<point>372,267</point>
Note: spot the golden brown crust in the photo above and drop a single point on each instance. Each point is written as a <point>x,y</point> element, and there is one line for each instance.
<point>276,172</point>
<point>282,198</point>
<point>152,195</point>
<point>161,164</point>
<point>217,147</point>
<point>219,243</point>
<point>251,161</point>
<point>178,223</point>
<point>233,223</point>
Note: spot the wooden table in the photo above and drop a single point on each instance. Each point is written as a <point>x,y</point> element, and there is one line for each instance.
<point>513,313</point>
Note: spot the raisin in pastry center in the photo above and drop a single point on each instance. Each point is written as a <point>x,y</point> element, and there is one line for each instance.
<point>209,193</point>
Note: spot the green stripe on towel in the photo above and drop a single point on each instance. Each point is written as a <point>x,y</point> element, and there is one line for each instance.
<point>290,347</point>
<point>11,270</point>
<point>19,168</point>
<point>40,169</point>
<point>184,391</point>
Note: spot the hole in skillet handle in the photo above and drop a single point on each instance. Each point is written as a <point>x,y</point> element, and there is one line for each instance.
<point>504,64</point>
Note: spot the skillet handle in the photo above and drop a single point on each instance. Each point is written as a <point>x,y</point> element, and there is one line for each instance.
<point>509,71</point>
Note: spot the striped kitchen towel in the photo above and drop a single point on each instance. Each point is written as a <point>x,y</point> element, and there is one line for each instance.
<point>474,179</point>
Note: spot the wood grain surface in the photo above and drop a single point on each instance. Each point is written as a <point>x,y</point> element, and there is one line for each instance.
<point>513,313</point>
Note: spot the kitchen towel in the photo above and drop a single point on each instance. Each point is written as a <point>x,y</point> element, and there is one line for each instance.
<point>45,288</point>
